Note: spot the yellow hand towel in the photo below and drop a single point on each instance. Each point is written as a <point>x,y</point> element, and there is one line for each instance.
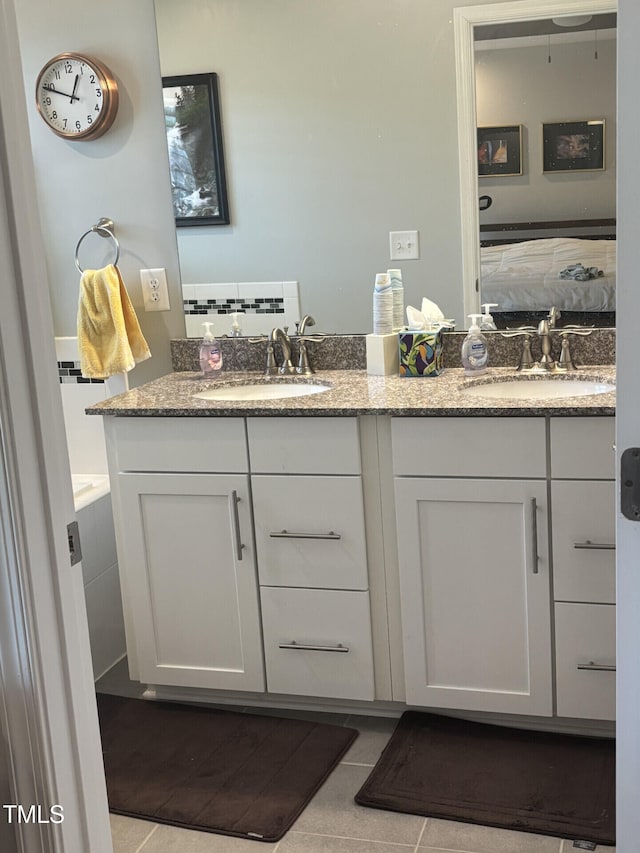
<point>109,336</point>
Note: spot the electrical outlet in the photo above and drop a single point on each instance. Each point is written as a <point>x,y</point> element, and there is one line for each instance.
<point>154,289</point>
<point>404,245</point>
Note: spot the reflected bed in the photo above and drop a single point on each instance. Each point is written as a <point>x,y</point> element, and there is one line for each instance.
<point>523,269</point>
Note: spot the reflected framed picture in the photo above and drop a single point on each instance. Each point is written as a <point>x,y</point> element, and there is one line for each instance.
<point>573,146</point>
<point>194,139</point>
<point>500,151</point>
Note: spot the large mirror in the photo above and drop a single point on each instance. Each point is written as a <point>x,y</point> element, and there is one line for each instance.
<point>341,125</point>
<point>538,172</point>
<point>547,175</point>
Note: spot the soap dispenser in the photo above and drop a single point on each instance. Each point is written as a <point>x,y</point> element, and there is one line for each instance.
<point>236,330</point>
<point>474,348</point>
<point>210,353</point>
<point>487,323</point>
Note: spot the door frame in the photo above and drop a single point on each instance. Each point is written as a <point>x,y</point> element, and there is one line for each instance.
<point>48,716</point>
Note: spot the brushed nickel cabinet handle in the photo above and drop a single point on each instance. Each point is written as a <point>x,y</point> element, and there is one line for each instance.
<point>285,534</point>
<point>235,500</point>
<point>303,647</point>
<point>534,535</point>
<point>594,546</point>
<point>596,667</point>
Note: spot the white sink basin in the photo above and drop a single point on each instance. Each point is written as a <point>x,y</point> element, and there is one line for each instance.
<point>538,388</point>
<point>275,389</point>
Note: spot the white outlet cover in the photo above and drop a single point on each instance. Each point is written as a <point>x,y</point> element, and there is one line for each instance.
<point>404,245</point>
<point>155,292</point>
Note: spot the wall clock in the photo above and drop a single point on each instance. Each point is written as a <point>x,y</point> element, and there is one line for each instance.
<point>77,96</point>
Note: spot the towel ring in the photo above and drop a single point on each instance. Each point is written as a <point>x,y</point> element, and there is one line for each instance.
<point>103,227</point>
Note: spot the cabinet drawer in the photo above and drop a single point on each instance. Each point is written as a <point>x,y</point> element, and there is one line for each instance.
<point>304,445</point>
<point>582,448</point>
<point>318,643</point>
<point>469,447</point>
<point>191,445</point>
<point>586,637</point>
<point>310,531</point>
<point>584,530</point>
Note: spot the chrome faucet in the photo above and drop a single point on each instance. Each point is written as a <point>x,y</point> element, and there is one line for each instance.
<point>304,367</point>
<point>281,337</point>
<point>546,328</point>
<point>547,361</point>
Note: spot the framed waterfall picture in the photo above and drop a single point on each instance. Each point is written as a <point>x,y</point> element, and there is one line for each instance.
<point>194,139</point>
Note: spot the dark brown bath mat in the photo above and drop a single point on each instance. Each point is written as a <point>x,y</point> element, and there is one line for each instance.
<point>553,784</point>
<point>214,771</point>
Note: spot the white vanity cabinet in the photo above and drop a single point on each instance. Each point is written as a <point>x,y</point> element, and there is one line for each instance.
<point>182,508</point>
<point>583,525</point>
<point>471,507</point>
<point>312,560</point>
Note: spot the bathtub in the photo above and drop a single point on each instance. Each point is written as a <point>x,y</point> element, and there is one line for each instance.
<point>92,499</point>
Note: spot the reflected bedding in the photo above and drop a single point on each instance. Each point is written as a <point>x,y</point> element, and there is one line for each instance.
<point>526,276</point>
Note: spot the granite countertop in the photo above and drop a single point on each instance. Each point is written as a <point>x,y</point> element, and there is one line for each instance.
<point>354,392</point>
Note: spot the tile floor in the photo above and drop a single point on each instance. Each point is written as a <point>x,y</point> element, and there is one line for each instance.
<point>332,822</point>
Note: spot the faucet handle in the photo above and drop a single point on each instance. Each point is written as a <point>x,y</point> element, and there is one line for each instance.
<point>574,330</point>
<point>260,339</point>
<point>313,338</point>
<point>525,331</point>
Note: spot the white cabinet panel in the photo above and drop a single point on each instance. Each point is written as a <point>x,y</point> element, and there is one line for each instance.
<point>290,512</point>
<point>469,447</point>
<point>177,444</point>
<point>582,448</point>
<point>583,524</point>
<point>304,445</point>
<point>335,627</point>
<point>585,660</point>
<point>193,589</point>
<point>474,578</point>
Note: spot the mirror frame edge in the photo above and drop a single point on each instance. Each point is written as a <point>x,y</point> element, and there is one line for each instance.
<point>464,20</point>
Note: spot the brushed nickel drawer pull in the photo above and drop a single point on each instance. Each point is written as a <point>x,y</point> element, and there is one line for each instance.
<point>596,667</point>
<point>534,534</point>
<point>306,648</point>
<point>235,500</point>
<point>594,546</point>
<point>285,534</point>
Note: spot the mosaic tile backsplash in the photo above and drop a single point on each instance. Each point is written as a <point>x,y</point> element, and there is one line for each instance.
<point>69,372</point>
<point>263,304</point>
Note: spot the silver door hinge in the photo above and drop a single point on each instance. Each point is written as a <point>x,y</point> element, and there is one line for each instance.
<point>73,537</point>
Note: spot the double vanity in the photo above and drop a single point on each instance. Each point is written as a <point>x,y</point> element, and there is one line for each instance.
<point>371,542</point>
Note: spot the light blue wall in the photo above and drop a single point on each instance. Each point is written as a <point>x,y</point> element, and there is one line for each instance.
<point>122,175</point>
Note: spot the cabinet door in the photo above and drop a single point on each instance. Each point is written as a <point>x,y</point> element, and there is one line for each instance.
<point>474,582</point>
<point>192,588</point>
<point>586,660</point>
<point>310,531</point>
<point>583,517</point>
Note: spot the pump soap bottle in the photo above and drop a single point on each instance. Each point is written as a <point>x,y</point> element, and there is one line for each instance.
<point>474,348</point>
<point>487,323</point>
<point>210,353</point>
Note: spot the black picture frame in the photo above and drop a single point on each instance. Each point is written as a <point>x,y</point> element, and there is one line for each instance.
<point>573,146</point>
<point>196,157</point>
<point>500,151</point>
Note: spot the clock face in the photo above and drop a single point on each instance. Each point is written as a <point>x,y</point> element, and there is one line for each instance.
<point>76,96</point>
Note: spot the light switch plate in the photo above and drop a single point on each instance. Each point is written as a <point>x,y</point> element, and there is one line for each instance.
<point>404,245</point>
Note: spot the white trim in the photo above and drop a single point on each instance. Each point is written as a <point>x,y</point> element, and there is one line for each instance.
<point>464,20</point>
<point>50,718</point>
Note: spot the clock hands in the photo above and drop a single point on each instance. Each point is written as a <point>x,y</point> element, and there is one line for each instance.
<point>71,97</point>
<point>75,86</point>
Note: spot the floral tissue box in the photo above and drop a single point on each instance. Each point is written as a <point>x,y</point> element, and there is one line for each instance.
<point>420,353</point>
